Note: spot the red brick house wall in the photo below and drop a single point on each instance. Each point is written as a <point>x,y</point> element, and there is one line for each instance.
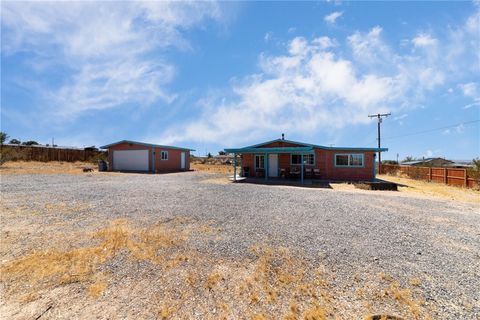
<point>324,160</point>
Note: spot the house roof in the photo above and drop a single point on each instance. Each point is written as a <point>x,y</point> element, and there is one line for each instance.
<point>271,150</point>
<point>426,160</point>
<point>144,144</point>
<point>306,147</point>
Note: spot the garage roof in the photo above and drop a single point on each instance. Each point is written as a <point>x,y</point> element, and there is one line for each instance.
<point>145,144</point>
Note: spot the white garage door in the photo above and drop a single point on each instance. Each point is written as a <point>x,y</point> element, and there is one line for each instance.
<point>130,160</point>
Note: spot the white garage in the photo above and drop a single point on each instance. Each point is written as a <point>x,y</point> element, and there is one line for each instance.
<point>130,160</point>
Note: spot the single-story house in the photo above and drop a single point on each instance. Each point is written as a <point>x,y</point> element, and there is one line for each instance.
<point>128,155</point>
<point>291,159</point>
<point>428,162</point>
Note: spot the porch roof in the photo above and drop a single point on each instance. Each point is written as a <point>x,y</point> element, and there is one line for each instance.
<point>271,150</point>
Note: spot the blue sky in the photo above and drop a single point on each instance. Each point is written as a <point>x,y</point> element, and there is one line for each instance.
<point>211,75</point>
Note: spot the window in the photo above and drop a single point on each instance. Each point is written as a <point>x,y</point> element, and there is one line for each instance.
<point>349,160</point>
<point>259,162</point>
<point>356,160</point>
<point>309,159</point>
<point>341,160</point>
<point>164,155</point>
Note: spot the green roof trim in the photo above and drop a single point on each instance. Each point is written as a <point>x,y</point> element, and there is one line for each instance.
<point>270,150</point>
<point>145,144</point>
<point>257,147</point>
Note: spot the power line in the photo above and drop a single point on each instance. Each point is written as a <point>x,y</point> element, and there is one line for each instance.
<point>434,129</point>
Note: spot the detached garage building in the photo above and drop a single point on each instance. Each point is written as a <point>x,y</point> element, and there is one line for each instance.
<point>135,156</point>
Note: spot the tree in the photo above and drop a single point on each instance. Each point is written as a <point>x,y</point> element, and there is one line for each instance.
<point>14,141</point>
<point>474,171</point>
<point>389,162</point>
<point>222,153</point>
<point>209,155</point>
<point>30,143</point>
<point>3,137</point>
<point>408,158</point>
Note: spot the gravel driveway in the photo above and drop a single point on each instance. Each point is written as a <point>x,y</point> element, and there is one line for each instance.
<point>363,241</point>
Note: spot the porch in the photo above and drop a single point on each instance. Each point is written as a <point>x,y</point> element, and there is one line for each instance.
<point>306,183</point>
<point>288,165</point>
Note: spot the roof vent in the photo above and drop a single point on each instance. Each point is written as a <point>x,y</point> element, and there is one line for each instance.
<point>283,136</point>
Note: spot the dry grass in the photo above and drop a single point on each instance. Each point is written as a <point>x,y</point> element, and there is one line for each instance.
<point>432,189</point>
<point>213,168</point>
<point>273,283</point>
<point>51,167</point>
<point>49,268</point>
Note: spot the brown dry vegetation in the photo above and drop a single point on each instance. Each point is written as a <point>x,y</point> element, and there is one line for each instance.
<point>213,168</point>
<point>271,283</point>
<point>52,167</point>
<point>432,189</point>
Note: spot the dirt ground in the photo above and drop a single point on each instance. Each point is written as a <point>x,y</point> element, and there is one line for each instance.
<point>105,246</point>
<point>406,186</point>
<point>432,189</point>
<point>213,168</point>
<point>52,167</point>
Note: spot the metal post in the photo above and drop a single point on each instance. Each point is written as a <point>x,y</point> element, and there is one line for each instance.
<point>301,173</point>
<point>234,167</point>
<point>265,165</point>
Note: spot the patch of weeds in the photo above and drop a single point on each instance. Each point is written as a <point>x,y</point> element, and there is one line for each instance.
<point>49,268</point>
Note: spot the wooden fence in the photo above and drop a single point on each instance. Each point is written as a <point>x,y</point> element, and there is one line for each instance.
<point>451,176</point>
<point>44,153</point>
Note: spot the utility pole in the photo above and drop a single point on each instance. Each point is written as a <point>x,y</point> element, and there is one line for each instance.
<point>379,116</point>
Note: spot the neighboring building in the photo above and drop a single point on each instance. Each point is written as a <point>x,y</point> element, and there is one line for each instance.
<point>128,155</point>
<point>461,164</point>
<point>291,159</point>
<point>428,162</point>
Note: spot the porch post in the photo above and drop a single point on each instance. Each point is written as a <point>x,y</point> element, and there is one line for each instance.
<point>265,167</point>
<point>234,167</point>
<point>301,173</point>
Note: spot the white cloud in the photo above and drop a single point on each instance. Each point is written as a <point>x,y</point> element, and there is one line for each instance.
<point>104,46</point>
<point>369,48</point>
<point>305,90</point>
<point>315,88</point>
<point>428,154</point>
<point>332,17</point>
<point>268,36</point>
<point>424,40</point>
<point>471,90</point>
<point>400,118</point>
<point>325,42</point>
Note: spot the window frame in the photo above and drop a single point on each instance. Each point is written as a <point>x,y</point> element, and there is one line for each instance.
<point>299,164</point>
<point>163,152</point>
<point>349,165</point>
<point>255,161</point>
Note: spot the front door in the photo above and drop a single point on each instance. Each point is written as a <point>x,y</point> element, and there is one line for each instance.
<point>273,165</point>
<point>182,160</point>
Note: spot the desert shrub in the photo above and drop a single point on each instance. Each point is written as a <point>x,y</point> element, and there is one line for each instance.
<point>415,173</point>
<point>12,154</point>
<point>474,172</point>
<point>100,156</point>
